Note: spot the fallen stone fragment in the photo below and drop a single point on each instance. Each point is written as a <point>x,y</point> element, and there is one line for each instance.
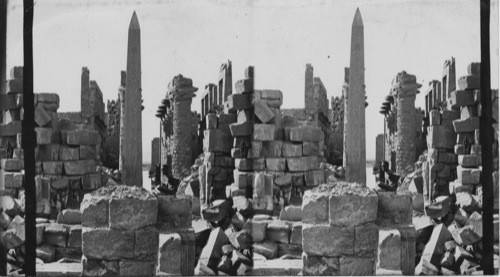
<point>291,213</point>
<point>69,216</point>
<point>241,240</point>
<point>46,253</point>
<point>56,234</point>
<point>278,231</point>
<point>257,229</point>
<point>350,266</point>
<point>434,249</point>
<point>318,265</point>
<point>439,208</point>
<point>389,250</point>
<point>426,268</point>
<point>212,252</point>
<point>267,248</point>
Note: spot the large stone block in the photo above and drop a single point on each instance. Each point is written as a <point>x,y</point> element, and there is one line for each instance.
<point>56,234</point>
<point>314,178</point>
<point>389,250</point>
<point>75,236</point>
<point>304,133</point>
<point>68,153</point>
<point>262,111</point>
<point>468,175</point>
<point>272,149</point>
<point>82,137</point>
<point>136,268</point>
<point>466,125</point>
<point>440,137</point>
<point>69,216</point>
<point>11,180</point>
<point>237,102</point>
<point>353,266</point>
<point>263,132</point>
<point>267,249</point>
<point>291,150</point>
<point>469,161</point>
<point>315,206</point>
<point>107,244</point>
<point>11,101</point>
<point>327,240</point>
<point>243,179</point>
<point>319,265</point>
<point>80,167</point>
<point>216,141</point>
<point>95,211</point>
<point>132,213</point>
<point>366,240</point>
<point>393,209</point>
<point>11,129</point>
<point>91,181</point>
<point>352,204</point>
<point>169,258</point>
<point>434,248</point>
<point>469,82</point>
<point>278,231</point>
<point>42,117</point>
<point>212,251</point>
<point>460,98</point>
<point>173,212</point>
<point>92,267</point>
<point>54,168</point>
<point>302,163</point>
<point>244,86</point>
<point>88,152</point>
<point>296,233</point>
<point>240,129</point>
<point>276,164</point>
<point>49,152</point>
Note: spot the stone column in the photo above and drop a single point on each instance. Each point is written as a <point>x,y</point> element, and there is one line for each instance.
<point>85,93</point>
<point>180,94</point>
<point>406,90</point>
<point>131,157</point>
<point>345,94</point>
<point>309,91</point>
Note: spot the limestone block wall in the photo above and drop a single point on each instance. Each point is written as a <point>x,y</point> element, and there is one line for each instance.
<point>119,236</point>
<point>339,230</point>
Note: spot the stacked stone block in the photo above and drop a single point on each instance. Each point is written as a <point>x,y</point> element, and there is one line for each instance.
<point>467,101</point>
<point>339,231</point>
<point>397,235</point>
<point>441,163</point>
<point>119,236</point>
<point>176,249</point>
<point>217,168</point>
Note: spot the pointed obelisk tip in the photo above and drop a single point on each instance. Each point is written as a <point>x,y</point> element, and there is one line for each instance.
<point>358,21</point>
<point>134,22</point>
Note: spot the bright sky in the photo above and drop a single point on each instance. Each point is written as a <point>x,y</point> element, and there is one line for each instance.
<point>277,37</point>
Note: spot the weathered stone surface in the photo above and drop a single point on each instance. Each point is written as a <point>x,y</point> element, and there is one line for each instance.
<point>389,250</point>
<point>291,213</point>
<point>132,213</point>
<point>257,229</point>
<point>11,101</point>
<point>272,149</point>
<point>241,240</point>
<point>315,206</point>
<point>12,164</point>
<point>69,216</point>
<point>217,211</point>
<point>88,152</point>
<point>262,192</point>
<point>461,254</point>
<point>276,164</point>
<point>318,265</point>
<point>11,180</point>
<point>289,250</point>
<point>439,208</point>
<point>302,163</point>
<point>267,249</point>
<point>357,266</point>
<point>48,152</point>
<point>284,180</point>
<point>310,148</point>
<point>169,258</point>
<point>92,267</point>
<point>314,178</point>
<point>95,211</point>
<point>434,249</point>
<point>243,86</point>
<point>55,168</point>
<point>327,240</point>
<point>469,82</point>
<point>468,161</point>
<point>107,244</point>
<point>296,233</point>
<point>11,129</point>
<point>173,212</point>
<point>91,181</point>
<point>46,253</point>
<point>242,179</point>
<point>466,125</point>
<point>465,201</point>
<point>82,137</point>
<point>366,240</point>
<point>237,130</point>
<point>136,268</point>
<point>291,149</point>
<point>263,132</point>
<point>68,153</point>
<point>75,236</point>
<point>40,229</point>
<point>440,137</point>
<point>475,222</point>
<point>426,268</point>
<point>80,167</point>
<point>305,133</point>
<point>56,234</point>
<point>146,243</point>
<point>278,231</point>
<point>465,236</point>
<point>460,98</point>
<point>262,111</point>
<point>352,204</point>
<point>212,251</point>
<point>237,102</point>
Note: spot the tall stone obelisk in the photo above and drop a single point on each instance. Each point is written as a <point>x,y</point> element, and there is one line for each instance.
<point>132,131</point>
<point>355,156</point>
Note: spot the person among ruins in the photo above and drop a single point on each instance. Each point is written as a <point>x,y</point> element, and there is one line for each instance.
<point>388,180</point>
